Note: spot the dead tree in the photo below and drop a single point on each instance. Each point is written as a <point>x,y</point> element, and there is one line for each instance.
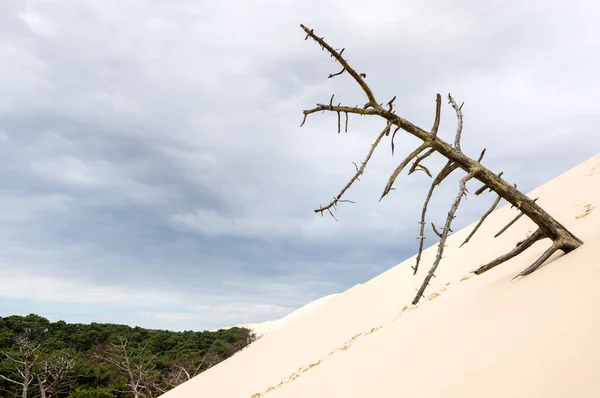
<point>22,364</point>
<point>55,373</point>
<point>548,227</point>
<point>184,369</point>
<point>133,363</point>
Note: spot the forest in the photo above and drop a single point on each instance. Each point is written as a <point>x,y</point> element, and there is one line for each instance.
<point>43,359</point>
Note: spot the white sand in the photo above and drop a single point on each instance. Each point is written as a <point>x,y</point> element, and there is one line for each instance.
<point>486,336</point>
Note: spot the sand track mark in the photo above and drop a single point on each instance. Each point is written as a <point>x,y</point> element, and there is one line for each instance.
<point>587,209</point>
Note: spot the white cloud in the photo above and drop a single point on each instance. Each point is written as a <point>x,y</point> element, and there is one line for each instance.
<point>23,285</point>
<point>25,208</point>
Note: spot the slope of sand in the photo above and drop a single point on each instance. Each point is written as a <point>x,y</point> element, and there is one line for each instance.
<point>472,337</point>
<point>262,328</point>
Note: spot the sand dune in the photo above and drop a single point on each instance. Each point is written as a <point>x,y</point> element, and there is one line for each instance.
<point>262,328</point>
<point>480,336</point>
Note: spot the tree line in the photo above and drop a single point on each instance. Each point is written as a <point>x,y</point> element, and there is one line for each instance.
<point>43,359</point>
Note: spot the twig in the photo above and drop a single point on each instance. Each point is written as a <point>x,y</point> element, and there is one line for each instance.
<point>438,109</point>
<point>346,125</point>
<point>390,104</point>
<point>336,74</point>
<point>401,166</point>
<point>360,170</point>
<point>341,108</point>
<point>338,56</point>
<point>418,160</point>
<point>425,169</point>
<point>480,158</point>
<point>485,215</point>
<point>394,136</point>
<point>514,220</point>
<point>435,230</point>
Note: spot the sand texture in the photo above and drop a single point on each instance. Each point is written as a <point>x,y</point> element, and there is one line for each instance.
<point>473,336</point>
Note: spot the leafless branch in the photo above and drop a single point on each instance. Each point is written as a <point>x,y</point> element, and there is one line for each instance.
<point>444,172</point>
<point>425,169</point>
<point>132,363</point>
<point>514,220</point>
<point>401,167</point>
<point>459,116</point>
<point>418,160</point>
<point>442,244</point>
<point>360,170</point>
<point>524,245</point>
<point>341,108</point>
<point>435,230</point>
<point>485,215</point>
<point>346,123</point>
<point>390,104</point>
<point>11,381</point>
<point>538,263</point>
<point>25,359</point>
<point>480,158</point>
<point>336,74</point>
<point>338,56</point>
<point>392,140</point>
<point>438,110</point>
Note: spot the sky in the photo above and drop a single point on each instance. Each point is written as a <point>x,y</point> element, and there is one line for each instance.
<point>154,171</point>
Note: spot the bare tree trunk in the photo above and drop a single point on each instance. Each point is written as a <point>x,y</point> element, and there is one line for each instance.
<point>42,389</point>
<point>26,382</point>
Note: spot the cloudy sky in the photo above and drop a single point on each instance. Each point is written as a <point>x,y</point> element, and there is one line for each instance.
<point>153,169</point>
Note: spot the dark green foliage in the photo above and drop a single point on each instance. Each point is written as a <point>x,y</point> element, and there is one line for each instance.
<point>96,392</point>
<point>162,353</point>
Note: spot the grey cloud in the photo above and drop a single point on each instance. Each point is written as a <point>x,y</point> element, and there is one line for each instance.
<point>151,145</point>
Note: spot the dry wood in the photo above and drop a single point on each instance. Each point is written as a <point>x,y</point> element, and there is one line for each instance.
<point>521,247</point>
<point>445,172</point>
<point>401,167</point>
<point>359,171</point>
<point>482,219</point>
<point>538,263</point>
<point>514,220</point>
<point>438,112</point>
<point>483,188</point>
<point>459,127</point>
<point>418,160</point>
<point>549,227</point>
<point>444,235</point>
